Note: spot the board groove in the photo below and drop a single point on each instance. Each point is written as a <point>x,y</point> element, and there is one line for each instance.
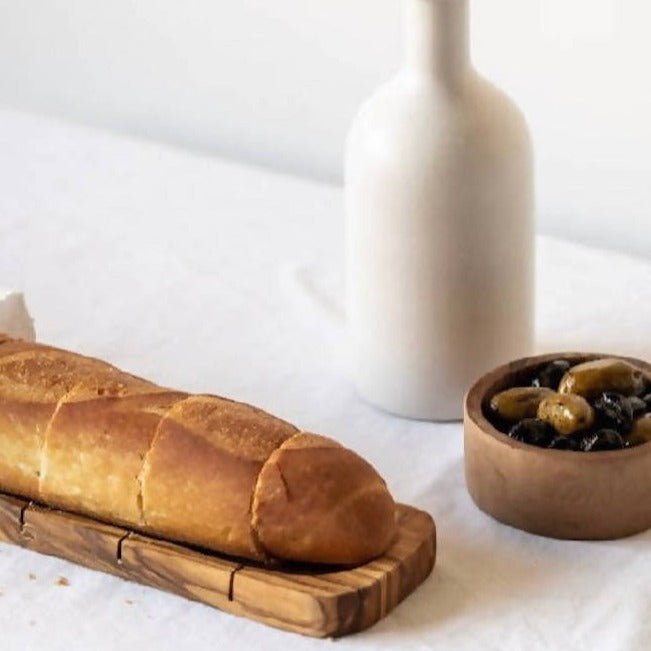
<point>320,602</point>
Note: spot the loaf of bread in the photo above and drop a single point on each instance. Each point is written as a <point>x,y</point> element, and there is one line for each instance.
<point>81,435</point>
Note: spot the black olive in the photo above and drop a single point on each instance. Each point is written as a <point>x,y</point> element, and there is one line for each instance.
<point>533,431</point>
<point>608,439</point>
<point>603,439</point>
<point>613,411</point>
<point>550,375</point>
<point>565,443</point>
<point>638,405</point>
<point>647,400</point>
<point>588,441</point>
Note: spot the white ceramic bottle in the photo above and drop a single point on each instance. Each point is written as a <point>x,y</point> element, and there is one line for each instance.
<point>439,209</point>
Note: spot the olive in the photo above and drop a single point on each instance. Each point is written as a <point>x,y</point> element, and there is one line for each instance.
<point>551,374</point>
<point>608,374</point>
<point>647,400</point>
<point>533,431</point>
<point>564,443</point>
<point>519,402</point>
<point>614,411</point>
<point>638,405</point>
<point>603,439</point>
<point>566,413</point>
<point>641,430</point>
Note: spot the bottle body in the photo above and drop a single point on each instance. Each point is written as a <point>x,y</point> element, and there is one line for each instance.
<point>439,234</point>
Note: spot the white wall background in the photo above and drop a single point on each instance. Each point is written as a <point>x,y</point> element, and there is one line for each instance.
<point>277,82</point>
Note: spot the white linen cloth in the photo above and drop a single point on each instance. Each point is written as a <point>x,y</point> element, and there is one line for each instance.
<point>212,276</point>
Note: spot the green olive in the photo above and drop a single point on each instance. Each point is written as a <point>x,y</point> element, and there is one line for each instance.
<point>608,374</point>
<point>519,402</point>
<point>566,413</point>
<point>641,430</point>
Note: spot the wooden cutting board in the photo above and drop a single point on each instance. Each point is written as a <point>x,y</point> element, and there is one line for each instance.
<point>318,602</point>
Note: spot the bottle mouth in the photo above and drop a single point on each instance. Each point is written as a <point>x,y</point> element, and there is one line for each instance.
<point>436,37</point>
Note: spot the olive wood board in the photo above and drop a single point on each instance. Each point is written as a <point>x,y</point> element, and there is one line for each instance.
<point>315,601</point>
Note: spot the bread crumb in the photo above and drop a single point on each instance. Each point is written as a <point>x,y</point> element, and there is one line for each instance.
<point>31,576</point>
<point>32,622</point>
<point>62,581</point>
<point>129,602</point>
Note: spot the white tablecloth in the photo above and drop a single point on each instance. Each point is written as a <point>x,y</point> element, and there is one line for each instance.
<point>212,276</point>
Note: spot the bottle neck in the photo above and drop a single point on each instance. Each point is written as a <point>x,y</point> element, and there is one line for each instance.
<point>437,39</point>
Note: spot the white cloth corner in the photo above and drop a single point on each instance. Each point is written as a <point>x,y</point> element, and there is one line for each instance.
<point>15,319</point>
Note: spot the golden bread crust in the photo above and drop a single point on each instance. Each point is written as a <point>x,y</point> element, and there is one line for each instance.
<point>95,452</point>
<point>320,502</point>
<point>79,434</point>
<point>225,445</point>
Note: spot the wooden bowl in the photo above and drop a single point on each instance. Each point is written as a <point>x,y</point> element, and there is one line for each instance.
<point>556,493</point>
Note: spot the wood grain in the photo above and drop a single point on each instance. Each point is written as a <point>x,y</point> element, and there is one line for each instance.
<point>174,568</point>
<point>11,510</point>
<point>315,601</point>
<point>75,538</point>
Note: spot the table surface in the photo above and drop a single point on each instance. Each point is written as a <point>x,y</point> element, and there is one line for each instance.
<point>211,276</point>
